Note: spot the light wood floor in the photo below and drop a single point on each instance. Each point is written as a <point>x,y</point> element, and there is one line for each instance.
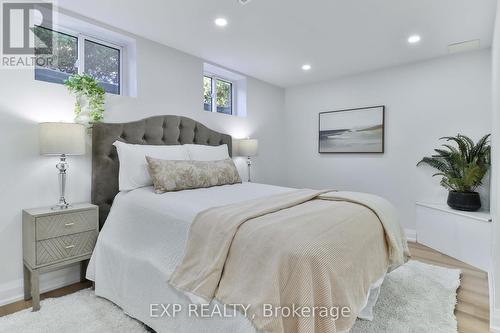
<point>472,309</point>
<point>21,305</point>
<point>473,306</point>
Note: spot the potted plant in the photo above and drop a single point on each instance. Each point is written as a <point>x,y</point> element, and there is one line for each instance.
<point>89,105</point>
<point>462,168</point>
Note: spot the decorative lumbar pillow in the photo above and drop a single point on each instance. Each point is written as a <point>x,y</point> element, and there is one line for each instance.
<point>207,153</point>
<point>133,171</point>
<point>183,175</point>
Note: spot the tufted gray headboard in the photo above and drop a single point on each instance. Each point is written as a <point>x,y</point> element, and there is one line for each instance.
<point>159,130</point>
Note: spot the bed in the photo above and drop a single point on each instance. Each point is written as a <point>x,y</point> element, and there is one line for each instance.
<point>144,235</point>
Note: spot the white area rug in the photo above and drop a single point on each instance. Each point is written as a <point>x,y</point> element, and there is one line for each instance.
<point>414,298</point>
<point>80,312</point>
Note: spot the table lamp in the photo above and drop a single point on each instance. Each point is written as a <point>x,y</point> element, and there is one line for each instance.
<point>248,148</point>
<point>62,139</point>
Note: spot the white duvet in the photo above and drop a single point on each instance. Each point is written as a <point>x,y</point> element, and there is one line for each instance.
<point>142,242</point>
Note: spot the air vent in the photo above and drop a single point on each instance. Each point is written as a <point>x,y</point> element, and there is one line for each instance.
<point>244,2</point>
<point>464,46</point>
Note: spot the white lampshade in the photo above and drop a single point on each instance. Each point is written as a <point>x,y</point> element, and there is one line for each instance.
<point>62,138</point>
<point>248,147</point>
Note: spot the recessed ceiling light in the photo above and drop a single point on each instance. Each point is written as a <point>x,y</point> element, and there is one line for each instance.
<point>414,39</point>
<point>220,22</point>
<point>306,67</point>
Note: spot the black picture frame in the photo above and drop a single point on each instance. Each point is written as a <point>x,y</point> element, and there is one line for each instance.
<point>321,134</point>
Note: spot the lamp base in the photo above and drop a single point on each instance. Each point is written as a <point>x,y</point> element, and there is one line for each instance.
<point>61,206</point>
<point>62,166</point>
<point>249,165</point>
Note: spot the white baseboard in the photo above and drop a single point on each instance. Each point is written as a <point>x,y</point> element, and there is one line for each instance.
<point>411,235</point>
<point>495,321</point>
<point>494,312</point>
<point>13,291</point>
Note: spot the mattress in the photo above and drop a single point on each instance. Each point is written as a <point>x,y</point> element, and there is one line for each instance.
<point>142,242</point>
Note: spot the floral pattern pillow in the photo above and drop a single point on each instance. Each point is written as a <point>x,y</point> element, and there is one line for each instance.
<point>169,175</point>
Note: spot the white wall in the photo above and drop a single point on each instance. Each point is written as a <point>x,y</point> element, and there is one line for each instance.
<point>168,82</point>
<point>453,92</point>
<point>423,102</point>
<point>495,194</point>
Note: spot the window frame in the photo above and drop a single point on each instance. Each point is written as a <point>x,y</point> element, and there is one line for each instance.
<point>81,46</point>
<point>211,93</point>
<point>80,61</point>
<point>215,78</point>
<point>64,32</point>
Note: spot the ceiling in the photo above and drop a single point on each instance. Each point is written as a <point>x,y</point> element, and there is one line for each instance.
<point>272,39</point>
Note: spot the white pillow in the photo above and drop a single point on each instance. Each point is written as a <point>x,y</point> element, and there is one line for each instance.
<point>134,167</point>
<point>207,153</point>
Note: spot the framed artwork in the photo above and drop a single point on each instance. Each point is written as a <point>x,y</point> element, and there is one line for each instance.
<point>358,130</point>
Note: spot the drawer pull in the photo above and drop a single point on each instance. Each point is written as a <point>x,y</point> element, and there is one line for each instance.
<point>69,224</point>
<point>69,247</point>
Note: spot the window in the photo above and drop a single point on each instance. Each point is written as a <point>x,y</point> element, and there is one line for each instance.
<point>224,91</point>
<point>72,54</point>
<point>207,93</point>
<point>218,95</point>
<point>64,59</point>
<point>102,62</point>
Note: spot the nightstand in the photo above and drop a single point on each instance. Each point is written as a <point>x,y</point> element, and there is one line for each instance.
<point>53,238</point>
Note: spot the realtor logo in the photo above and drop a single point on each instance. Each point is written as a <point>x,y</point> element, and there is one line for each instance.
<point>21,48</point>
<point>18,21</point>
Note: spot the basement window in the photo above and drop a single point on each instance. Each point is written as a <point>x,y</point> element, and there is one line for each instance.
<point>79,54</point>
<point>218,95</point>
<point>64,57</point>
<point>81,47</point>
<point>223,91</point>
<point>102,61</point>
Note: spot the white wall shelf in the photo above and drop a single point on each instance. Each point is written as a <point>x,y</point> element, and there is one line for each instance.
<point>465,236</point>
<point>481,215</point>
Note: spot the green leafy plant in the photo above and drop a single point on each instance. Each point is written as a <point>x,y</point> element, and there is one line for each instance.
<point>85,86</point>
<point>463,167</point>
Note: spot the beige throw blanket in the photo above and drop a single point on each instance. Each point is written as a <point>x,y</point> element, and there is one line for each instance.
<point>303,248</point>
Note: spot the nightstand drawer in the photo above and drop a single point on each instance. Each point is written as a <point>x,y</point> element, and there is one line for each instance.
<point>65,224</point>
<point>65,247</point>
